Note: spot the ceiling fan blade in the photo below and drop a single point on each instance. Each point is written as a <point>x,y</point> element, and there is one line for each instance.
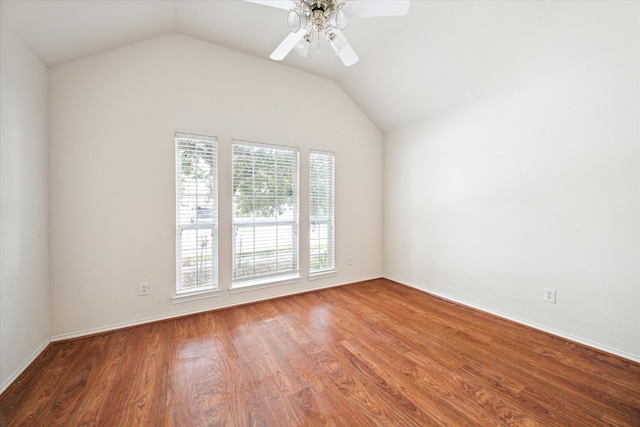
<point>372,8</point>
<point>347,54</point>
<point>280,4</point>
<point>287,45</point>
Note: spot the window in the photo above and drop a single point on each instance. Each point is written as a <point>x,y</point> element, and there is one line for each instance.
<point>265,213</point>
<point>321,211</point>
<point>196,213</point>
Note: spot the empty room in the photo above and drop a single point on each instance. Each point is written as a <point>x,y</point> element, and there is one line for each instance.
<point>319,212</point>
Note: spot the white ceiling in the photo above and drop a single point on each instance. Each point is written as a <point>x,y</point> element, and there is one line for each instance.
<point>440,56</point>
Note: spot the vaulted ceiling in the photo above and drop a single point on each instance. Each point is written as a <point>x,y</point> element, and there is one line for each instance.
<point>440,56</point>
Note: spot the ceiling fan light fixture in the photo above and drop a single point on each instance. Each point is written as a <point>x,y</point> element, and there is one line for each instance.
<point>302,47</point>
<point>295,21</point>
<point>336,42</point>
<point>340,19</point>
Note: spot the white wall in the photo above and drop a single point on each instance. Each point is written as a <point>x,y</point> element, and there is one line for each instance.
<point>24,242</point>
<point>112,123</point>
<point>534,188</point>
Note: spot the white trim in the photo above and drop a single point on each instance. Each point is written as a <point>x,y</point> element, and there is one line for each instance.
<point>264,283</point>
<point>321,274</point>
<point>195,296</point>
<point>111,328</point>
<point>25,365</point>
<point>533,325</point>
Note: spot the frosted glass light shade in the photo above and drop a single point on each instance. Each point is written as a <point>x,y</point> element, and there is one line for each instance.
<point>302,47</point>
<point>294,21</point>
<point>342,19</point>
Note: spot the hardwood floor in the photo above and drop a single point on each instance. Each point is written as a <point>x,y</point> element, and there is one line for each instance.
<point>372,353</point>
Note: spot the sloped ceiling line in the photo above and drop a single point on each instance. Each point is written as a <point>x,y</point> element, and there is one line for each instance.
<point>440,56</point>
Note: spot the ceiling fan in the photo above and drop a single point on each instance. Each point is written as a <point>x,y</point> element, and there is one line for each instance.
<point>329,18</point>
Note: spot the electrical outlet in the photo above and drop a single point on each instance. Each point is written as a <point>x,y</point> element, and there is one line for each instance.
<point>349,260</point>
<point>145,288</point>
<point>549,295</point>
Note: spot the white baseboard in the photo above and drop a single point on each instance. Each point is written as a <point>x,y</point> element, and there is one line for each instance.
<point>110,328</point>
<point>24,366</point>
<point>560,334</point>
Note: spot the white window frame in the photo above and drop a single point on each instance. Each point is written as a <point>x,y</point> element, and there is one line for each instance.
<point>192,220</point>
<point>324,222</point>
<point>244,227</point>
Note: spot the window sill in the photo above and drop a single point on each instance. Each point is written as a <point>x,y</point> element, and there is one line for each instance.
<point>322,274</point>
<point>264,283</point>
<point>194,296</point>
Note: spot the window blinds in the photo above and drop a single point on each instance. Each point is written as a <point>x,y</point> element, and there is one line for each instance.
<point>265,211</point>
<point>321,211</point>
<point>196,213</point>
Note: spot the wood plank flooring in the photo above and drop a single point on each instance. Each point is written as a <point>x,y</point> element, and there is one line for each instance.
<point>369,354</point>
